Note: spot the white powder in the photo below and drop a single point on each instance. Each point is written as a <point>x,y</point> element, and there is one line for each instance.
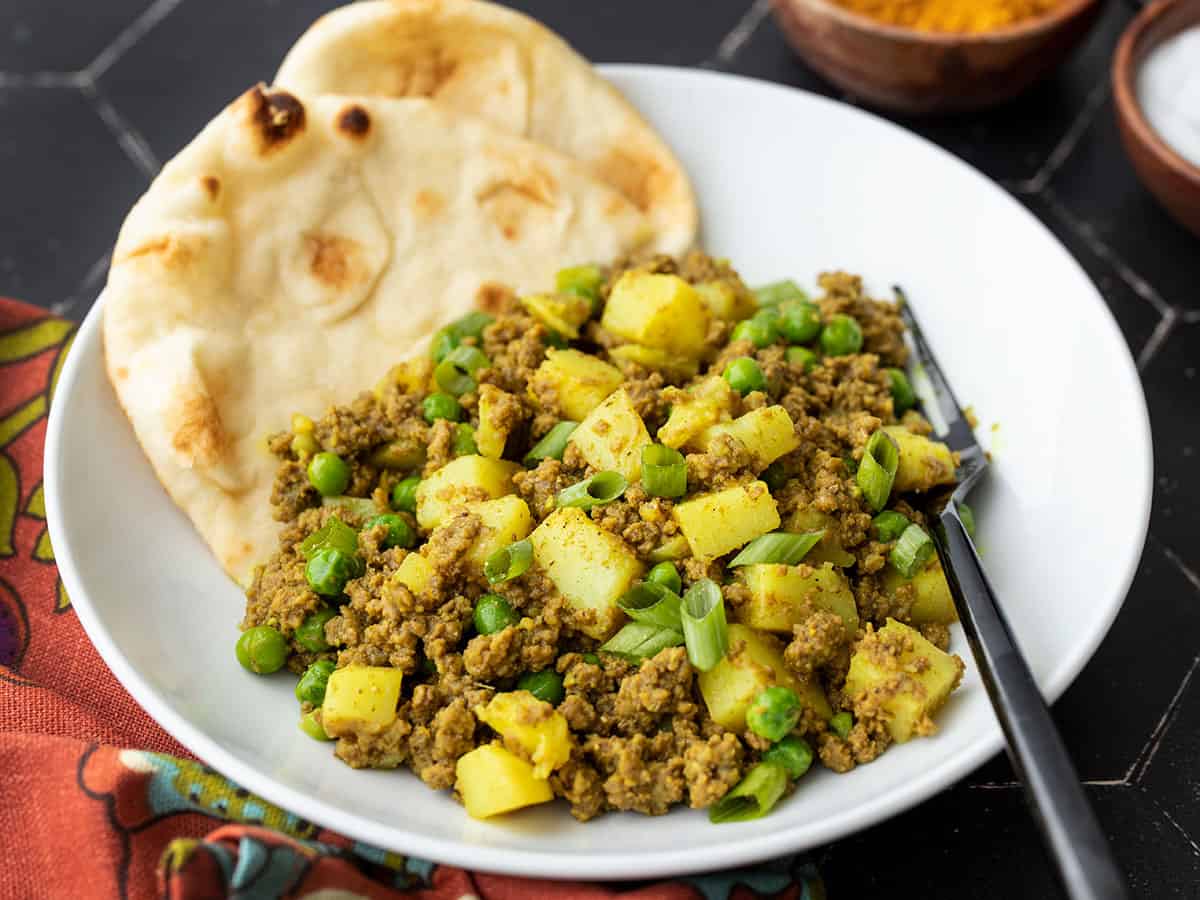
<point>1168,90</point>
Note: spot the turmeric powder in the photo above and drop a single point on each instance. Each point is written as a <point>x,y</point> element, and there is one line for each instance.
<point>959,16</point>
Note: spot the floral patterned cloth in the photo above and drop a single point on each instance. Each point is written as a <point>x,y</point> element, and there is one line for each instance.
<point>96,800</point>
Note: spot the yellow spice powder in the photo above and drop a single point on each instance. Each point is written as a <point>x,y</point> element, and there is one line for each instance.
<point>960,16</point>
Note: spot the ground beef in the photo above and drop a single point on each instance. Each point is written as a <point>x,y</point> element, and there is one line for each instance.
<point>815,643</point>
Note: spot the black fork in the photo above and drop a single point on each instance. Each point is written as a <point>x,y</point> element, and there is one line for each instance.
<point>1068,826</point>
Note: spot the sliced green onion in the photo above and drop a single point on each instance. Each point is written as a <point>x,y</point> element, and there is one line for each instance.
<point>664,472</point>
<point>363,507</point>
<point>454,373</point>
<point>638,641</point>
<point>968,519</point>
<point>334,533</point>
<point>778,292</point>
<point>601,488</point>
<point>703,617</point>
<point>841,724</point>
<point>775,476</point>
<point>778,547</point>
<point>913,550</point>
<point>508,562</point>
<point>463,443</point>
<point>753,796</point>
<point>552,445</point>
<point>652,604</point>
<point>889,525</point>
<point>877,470</point>
<point>582,281</point>
<point>667,575</point>
<point>472,324</point>
<point>904,397</point>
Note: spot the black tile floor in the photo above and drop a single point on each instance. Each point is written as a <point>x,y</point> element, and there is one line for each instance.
<point>91,104</point>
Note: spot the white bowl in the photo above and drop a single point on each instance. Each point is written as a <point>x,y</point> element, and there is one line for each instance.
<point>790,184</point>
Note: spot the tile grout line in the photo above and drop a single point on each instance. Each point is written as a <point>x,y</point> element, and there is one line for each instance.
<point>1087,234</point>
<point>41,80</point>
<point>1183,567</point>
<point>1011,785</point>
<point>1182,831</point>
<point>1157,338</point>
<point>130,35</point>
<point>1067,143</point>
<point>1138,770</point>
<point>733,42</point>
<point>86,286</point>
<point>135,146</point>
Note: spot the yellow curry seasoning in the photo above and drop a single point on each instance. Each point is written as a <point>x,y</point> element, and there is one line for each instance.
<point>955,16</point>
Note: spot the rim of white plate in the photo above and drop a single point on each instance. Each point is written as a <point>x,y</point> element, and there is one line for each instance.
<point>736,851</point>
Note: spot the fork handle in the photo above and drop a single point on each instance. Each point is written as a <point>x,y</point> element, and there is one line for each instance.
<point>1069,828</point>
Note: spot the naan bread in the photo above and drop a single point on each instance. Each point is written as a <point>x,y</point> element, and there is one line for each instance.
<point>298,248</point>
<point>485,60</point>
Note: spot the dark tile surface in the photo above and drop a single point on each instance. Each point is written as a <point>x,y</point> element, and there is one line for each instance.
<point>60,215</point>
<point>73,158</point>
<point>35,38</point>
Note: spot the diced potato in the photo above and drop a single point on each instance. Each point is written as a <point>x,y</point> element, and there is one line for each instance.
<point>530,727</point>
<point>768,433</point>
<point>924,463</point>
<point>562,313</point>
<point>829,549</point>
<point>360,699</point>
<point>495,420</point>
<point>896,672</point>
<point>725,301</point>
<point>931,600</point>
<point>412,376</point>
<point>579,380</point>
<point>714,524</point>
<point>612,436</point>
<point>753,664</point>
<point>660,311</point>
<point>782,596</point>
<point>695,409</point>
<point>505,519</point>
<point>679,367</point>
<point>492,780</point>
<point>462,481</point>
<point>591,567</point>
<point>415,573</point>
<point>675,547</point>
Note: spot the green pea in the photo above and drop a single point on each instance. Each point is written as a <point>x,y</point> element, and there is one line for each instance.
<point>799,323</point>
<point>904,397</point>
<point>262,650</point>
<point>591,659</point>
<point>399,532</point>
<point>744,376</point>
<point>493,613</point>
<point>774,476</point>
<point>329,474</point>
<point>311,686</point>
<point>404,494</point>
<point>464,441</point>
<point>792,753</point>
<point>441,406</point>
<point>802,356</point>
<point>546,685</point>
<point>310,724</point>
<point>841,336</point>
<point>328,571</point>
<point>841,724</point>
<point>774,713</point>
<point>889,525</point>
<point>759,333</point>
<point>311,633</point>
<point>667,575</point>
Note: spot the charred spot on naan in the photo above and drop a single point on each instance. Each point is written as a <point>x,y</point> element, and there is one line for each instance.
<point>428,204</point>
<point>336,261</point>
<point>194,425</point>
<point>492,297</point>
<point>275,117</point>
<point>353,122</point>
<point>212,186</point>
<point>525,190</point>
<point>173,252</point>
<point>639,176</point>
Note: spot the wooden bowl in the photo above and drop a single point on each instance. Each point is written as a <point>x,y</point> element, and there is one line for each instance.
<point>1170,177</point>
<point>921,72</point>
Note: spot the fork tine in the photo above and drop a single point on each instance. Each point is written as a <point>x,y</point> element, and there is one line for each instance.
<point>958,435</point>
